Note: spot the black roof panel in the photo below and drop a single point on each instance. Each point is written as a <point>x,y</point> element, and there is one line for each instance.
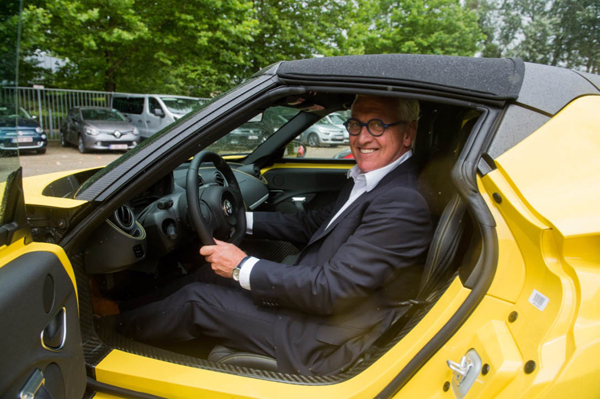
<point>492,78</point>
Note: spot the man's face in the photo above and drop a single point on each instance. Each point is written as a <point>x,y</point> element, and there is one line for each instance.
<point>372,153</point>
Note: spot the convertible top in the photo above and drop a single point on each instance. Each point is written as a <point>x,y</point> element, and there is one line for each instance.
<point>490,78</point>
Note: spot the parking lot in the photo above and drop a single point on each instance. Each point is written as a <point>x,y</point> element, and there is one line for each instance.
<point>57,158</point>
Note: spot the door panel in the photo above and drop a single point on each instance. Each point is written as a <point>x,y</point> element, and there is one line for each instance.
<point>39,331</point>
<point>304,186</point>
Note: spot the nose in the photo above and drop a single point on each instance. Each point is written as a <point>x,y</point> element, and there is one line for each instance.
<point>364,136</point>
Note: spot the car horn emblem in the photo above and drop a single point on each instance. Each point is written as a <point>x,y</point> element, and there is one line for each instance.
<point>227,208</point>
<point>117,134</point>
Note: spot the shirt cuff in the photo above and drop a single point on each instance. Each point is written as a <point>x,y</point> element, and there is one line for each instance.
<point>245,270</point>
<point>249,222</point>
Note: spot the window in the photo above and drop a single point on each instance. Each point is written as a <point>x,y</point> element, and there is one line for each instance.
<point>247,137</point>
<point>129,105</point>
<point>326,139</point>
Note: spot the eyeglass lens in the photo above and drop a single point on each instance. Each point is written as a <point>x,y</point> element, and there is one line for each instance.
<point>374,126</point>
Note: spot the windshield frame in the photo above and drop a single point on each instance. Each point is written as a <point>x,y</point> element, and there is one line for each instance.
<point>191,104</point>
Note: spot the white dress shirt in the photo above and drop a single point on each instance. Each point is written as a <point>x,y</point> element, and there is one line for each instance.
<point>363,182</point>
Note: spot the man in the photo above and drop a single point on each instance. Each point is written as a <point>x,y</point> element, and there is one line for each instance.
<point>361,258</point>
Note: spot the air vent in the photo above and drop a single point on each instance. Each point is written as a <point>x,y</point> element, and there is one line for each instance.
<point>219,179</point>
<point>124,218</point>
<point>200,180</point>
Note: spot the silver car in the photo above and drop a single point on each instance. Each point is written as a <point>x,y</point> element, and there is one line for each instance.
<point>329,131</point>
<point>98,128</point>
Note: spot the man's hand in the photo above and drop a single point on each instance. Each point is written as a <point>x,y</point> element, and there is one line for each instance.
<point>223,257</point>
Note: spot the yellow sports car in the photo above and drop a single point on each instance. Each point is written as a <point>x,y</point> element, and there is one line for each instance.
<point>508,304</point>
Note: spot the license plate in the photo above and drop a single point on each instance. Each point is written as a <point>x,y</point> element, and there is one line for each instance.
<point>253,137</point>
<point>117,146</point>
<point>24,139</point>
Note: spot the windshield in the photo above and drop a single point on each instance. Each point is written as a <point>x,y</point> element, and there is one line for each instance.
<point>247,137</point>
<point>8,111</point>
<point>337,119</point>
<point>102,115</point>
<point>180,105</point>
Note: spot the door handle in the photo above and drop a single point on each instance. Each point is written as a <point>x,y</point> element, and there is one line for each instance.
<point>33,385</point>
<point>299,201</point>
<point>54,335</point>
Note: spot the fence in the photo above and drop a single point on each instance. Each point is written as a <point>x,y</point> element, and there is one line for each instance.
<point>50,106</point>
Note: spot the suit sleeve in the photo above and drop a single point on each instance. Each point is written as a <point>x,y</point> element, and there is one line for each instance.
<point>296,228</point>
<point>394,233</point>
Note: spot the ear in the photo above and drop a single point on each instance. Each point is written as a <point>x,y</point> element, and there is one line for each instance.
<point>409,133</point>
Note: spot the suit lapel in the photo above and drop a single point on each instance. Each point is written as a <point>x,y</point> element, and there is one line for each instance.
<point>345,194</point>
<point>342,198</point>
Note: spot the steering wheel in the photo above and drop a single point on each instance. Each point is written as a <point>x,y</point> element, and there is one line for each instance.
<point>215,211</point>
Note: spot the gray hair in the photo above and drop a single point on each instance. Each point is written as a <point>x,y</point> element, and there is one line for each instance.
<point>408,109</point>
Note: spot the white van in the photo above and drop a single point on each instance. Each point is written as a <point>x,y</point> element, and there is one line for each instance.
<point>151,113</point>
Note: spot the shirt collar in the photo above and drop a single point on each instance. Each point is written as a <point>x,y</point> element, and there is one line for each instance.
<point>373,177</point>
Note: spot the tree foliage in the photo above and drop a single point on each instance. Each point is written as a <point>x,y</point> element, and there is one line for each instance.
<point>555,32</point>
<point>414,26</point>
<point>202,47</point>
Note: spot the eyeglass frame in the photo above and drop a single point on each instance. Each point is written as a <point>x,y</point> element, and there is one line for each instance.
<point>366,124</point>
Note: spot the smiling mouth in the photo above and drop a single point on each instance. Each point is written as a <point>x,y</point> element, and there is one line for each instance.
<point>367,150</point>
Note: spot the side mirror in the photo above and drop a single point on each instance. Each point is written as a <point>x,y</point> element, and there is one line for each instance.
<point>301,152</point>
<point>33,117</point>
<point>159,112</point>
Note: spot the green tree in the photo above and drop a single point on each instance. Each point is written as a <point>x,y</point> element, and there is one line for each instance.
<point>9,23</point>
<point>143,45</point>
<point>556,32</point>
<point>414,26</point>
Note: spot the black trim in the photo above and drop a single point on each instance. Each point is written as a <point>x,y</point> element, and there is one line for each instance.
<point>118,392</point>
<point>15,226</point>
<point>488,78</point>
<point>394,91</point>
<point>486,165</point>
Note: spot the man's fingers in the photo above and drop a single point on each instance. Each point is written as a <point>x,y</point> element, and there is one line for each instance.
<point>219,242</point>
<point>207,250</point>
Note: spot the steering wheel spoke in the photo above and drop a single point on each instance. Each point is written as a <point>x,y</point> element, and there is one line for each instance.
<point>215,211</point>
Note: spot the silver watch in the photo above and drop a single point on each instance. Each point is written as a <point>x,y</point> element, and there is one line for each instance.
<point>236,273</point>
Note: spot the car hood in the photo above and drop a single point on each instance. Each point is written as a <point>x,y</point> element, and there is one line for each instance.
<point>18,122</point>
<point>110,125</point>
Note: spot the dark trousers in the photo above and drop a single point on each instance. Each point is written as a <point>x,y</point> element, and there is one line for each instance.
<point>219,309</point>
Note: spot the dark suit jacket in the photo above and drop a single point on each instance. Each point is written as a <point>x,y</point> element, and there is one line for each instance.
<point>344,290</point>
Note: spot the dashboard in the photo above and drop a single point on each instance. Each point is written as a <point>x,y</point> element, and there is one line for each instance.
<point>156,222</point>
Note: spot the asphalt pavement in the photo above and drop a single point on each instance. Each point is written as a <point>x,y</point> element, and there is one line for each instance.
<point>57,159</point>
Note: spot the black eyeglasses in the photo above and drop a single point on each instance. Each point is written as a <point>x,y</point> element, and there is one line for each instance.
<point>375,127</point>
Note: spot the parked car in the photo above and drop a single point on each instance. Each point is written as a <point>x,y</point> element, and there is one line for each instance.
<point>344,154</point>
<point>329,131</point>
<point>151,113</point>
<point>507,306</point>
<point>98,128</point>
<point>19,131</point>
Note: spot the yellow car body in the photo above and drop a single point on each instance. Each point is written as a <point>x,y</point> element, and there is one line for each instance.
<point>535,328</point>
